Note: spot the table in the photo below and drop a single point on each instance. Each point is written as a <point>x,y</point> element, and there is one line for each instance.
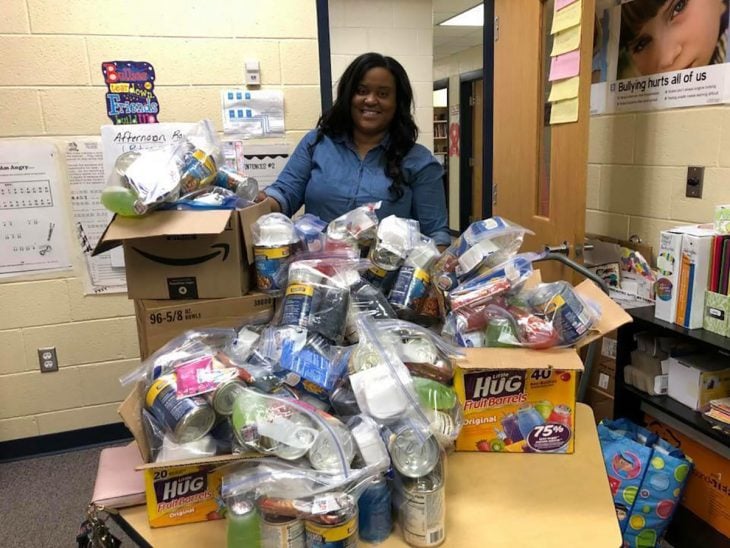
<point>494,499</point>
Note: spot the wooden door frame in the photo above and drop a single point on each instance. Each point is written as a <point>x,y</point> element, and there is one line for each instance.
<point>465,125</point>
<point>443,83</point>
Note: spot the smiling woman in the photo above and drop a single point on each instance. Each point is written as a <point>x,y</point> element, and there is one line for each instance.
<point>364,150</point>
<point>666,35</point>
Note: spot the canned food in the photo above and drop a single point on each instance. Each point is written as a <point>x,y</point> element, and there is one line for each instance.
<point>423,513</point>
<point>297,304</point>
<point>222,398</point>
<point>341,534</point>
<point>282,532</point>
<point>412,457</point>
<point>244,187</point>
<point>187,419</point>
<point>375,521</point>
<point>410,288</point>
<point>385,258</point>
<point>269,262</point>
<point>325,454</point>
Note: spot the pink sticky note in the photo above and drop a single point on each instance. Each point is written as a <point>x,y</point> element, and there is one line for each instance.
<point>560,4</point>
<point>565,66</point>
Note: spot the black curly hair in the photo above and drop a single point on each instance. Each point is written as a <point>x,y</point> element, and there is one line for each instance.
<point>337,121</point>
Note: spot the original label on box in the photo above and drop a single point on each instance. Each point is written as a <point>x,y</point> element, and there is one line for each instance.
<point>184,494</point>
<point>516,410</point>
<point>603,381</point>
<point>608,347</point>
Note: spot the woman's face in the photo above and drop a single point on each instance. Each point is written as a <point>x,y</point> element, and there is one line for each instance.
<point>681,35</point>
<point>373,105</point>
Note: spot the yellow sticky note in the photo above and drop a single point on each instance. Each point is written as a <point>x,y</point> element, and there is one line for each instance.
<point>566,40</point>
<point>564,112</point>
<point>564,89</point>
<point>567,17</point>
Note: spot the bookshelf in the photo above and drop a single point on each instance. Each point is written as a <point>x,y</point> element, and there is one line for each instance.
<point>441,142</point>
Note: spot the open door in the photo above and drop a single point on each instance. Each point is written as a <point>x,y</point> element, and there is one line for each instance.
<point>539,173</point>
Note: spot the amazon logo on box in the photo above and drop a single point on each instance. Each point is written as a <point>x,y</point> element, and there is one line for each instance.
<point>185,254</point>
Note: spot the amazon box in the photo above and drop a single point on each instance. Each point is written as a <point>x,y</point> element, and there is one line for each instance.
<point>185,254</point>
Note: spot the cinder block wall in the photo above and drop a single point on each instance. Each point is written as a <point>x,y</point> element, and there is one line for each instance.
<point>51,87</point>
<point>637,170</point>
<point>402,29</point>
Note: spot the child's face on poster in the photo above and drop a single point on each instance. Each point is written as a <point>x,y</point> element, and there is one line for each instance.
<point>683,34</point>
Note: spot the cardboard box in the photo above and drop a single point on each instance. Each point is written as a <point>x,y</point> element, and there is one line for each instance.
<point>185,254</point>
<point>601,403</point>
<point>668,261</point>
<point>696,379</point>
<point>707,494</point>
<point>522,400</point>
<point>158,322</point>
<point>176,492</point>
<point>693,278</point>
<point>603,376</point>
<point>717,313</point>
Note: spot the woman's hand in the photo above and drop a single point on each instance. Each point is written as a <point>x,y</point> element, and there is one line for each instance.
<point>263,197</point>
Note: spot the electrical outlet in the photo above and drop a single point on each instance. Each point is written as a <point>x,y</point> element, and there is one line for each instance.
<point>47,359</point>
<point>695,177</point>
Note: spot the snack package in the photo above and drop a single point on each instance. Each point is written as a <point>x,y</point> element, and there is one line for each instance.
<point>274,237</point>
<point>142,180</point>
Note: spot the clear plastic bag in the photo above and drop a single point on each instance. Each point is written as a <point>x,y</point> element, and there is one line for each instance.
<point>396,237</point>
<point>365,298</point>
<point>142,180</point>
<point>353,229</point>
<point>241,185</point>
<point>314,360</point>
<point>411,287</point>
<point>381,382</point>
<point>205,199</point>
<point>318,294</point>
<point>423,352</point>
<point>443,409</point>
<point>484,244</point>
<point>291,430</point>
<point>310,230</point>
<point>274,237</point>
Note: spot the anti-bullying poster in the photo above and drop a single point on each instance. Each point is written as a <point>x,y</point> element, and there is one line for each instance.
<point>659,54</point>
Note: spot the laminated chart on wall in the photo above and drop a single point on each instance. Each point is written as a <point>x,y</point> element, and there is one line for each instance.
<point>253,113</point>
<point>33,227</point>
<point>564,72</point>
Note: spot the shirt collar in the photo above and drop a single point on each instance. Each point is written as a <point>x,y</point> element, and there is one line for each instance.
<point>346,139</point>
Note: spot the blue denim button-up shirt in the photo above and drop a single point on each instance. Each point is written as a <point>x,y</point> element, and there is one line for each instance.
<point>330,179</point>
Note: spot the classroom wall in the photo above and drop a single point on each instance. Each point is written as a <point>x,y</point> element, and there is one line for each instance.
<point>51,87</point>
<point>451,67</point>
<point>637,169</point>
<point>402,29</point>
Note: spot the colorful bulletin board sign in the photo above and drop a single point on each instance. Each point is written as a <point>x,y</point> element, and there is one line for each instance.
<point>130,98</point>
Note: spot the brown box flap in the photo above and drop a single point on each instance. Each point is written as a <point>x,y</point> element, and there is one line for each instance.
<point>612,315</point>
<point>162,223</point>
<point>218,459</point>
<point>521,358</point>
<point>248,217</point>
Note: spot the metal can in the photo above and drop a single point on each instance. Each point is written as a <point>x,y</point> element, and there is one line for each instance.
<point>384,257</point>
<point>222,398</point>
<point>269,261</point>
<point>380,277</point>
<point>325,452</point>
<point>375,521</point>
<point>423,513</point>
<point>187,419</point>
<point>412,457</point>
<point>340,534</point>
<point>282,532</point>
<point>410,288</point>
<point>297,302</point>
<point>245,187</point>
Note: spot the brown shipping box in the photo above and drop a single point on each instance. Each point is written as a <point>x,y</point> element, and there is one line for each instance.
<point>177,492</point>
<point>492,384</point>
<point>160,321</point>
<point>185,254</point>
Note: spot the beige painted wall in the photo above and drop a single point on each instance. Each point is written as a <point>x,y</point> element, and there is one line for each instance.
<point>51,87</point>
<point>402,29</point>
<point>637,168</point>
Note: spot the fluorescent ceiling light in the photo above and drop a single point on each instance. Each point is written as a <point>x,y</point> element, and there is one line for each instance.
<point>473,17</point>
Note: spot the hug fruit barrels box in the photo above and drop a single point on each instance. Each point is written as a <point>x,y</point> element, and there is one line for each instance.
<point>519,400</point>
